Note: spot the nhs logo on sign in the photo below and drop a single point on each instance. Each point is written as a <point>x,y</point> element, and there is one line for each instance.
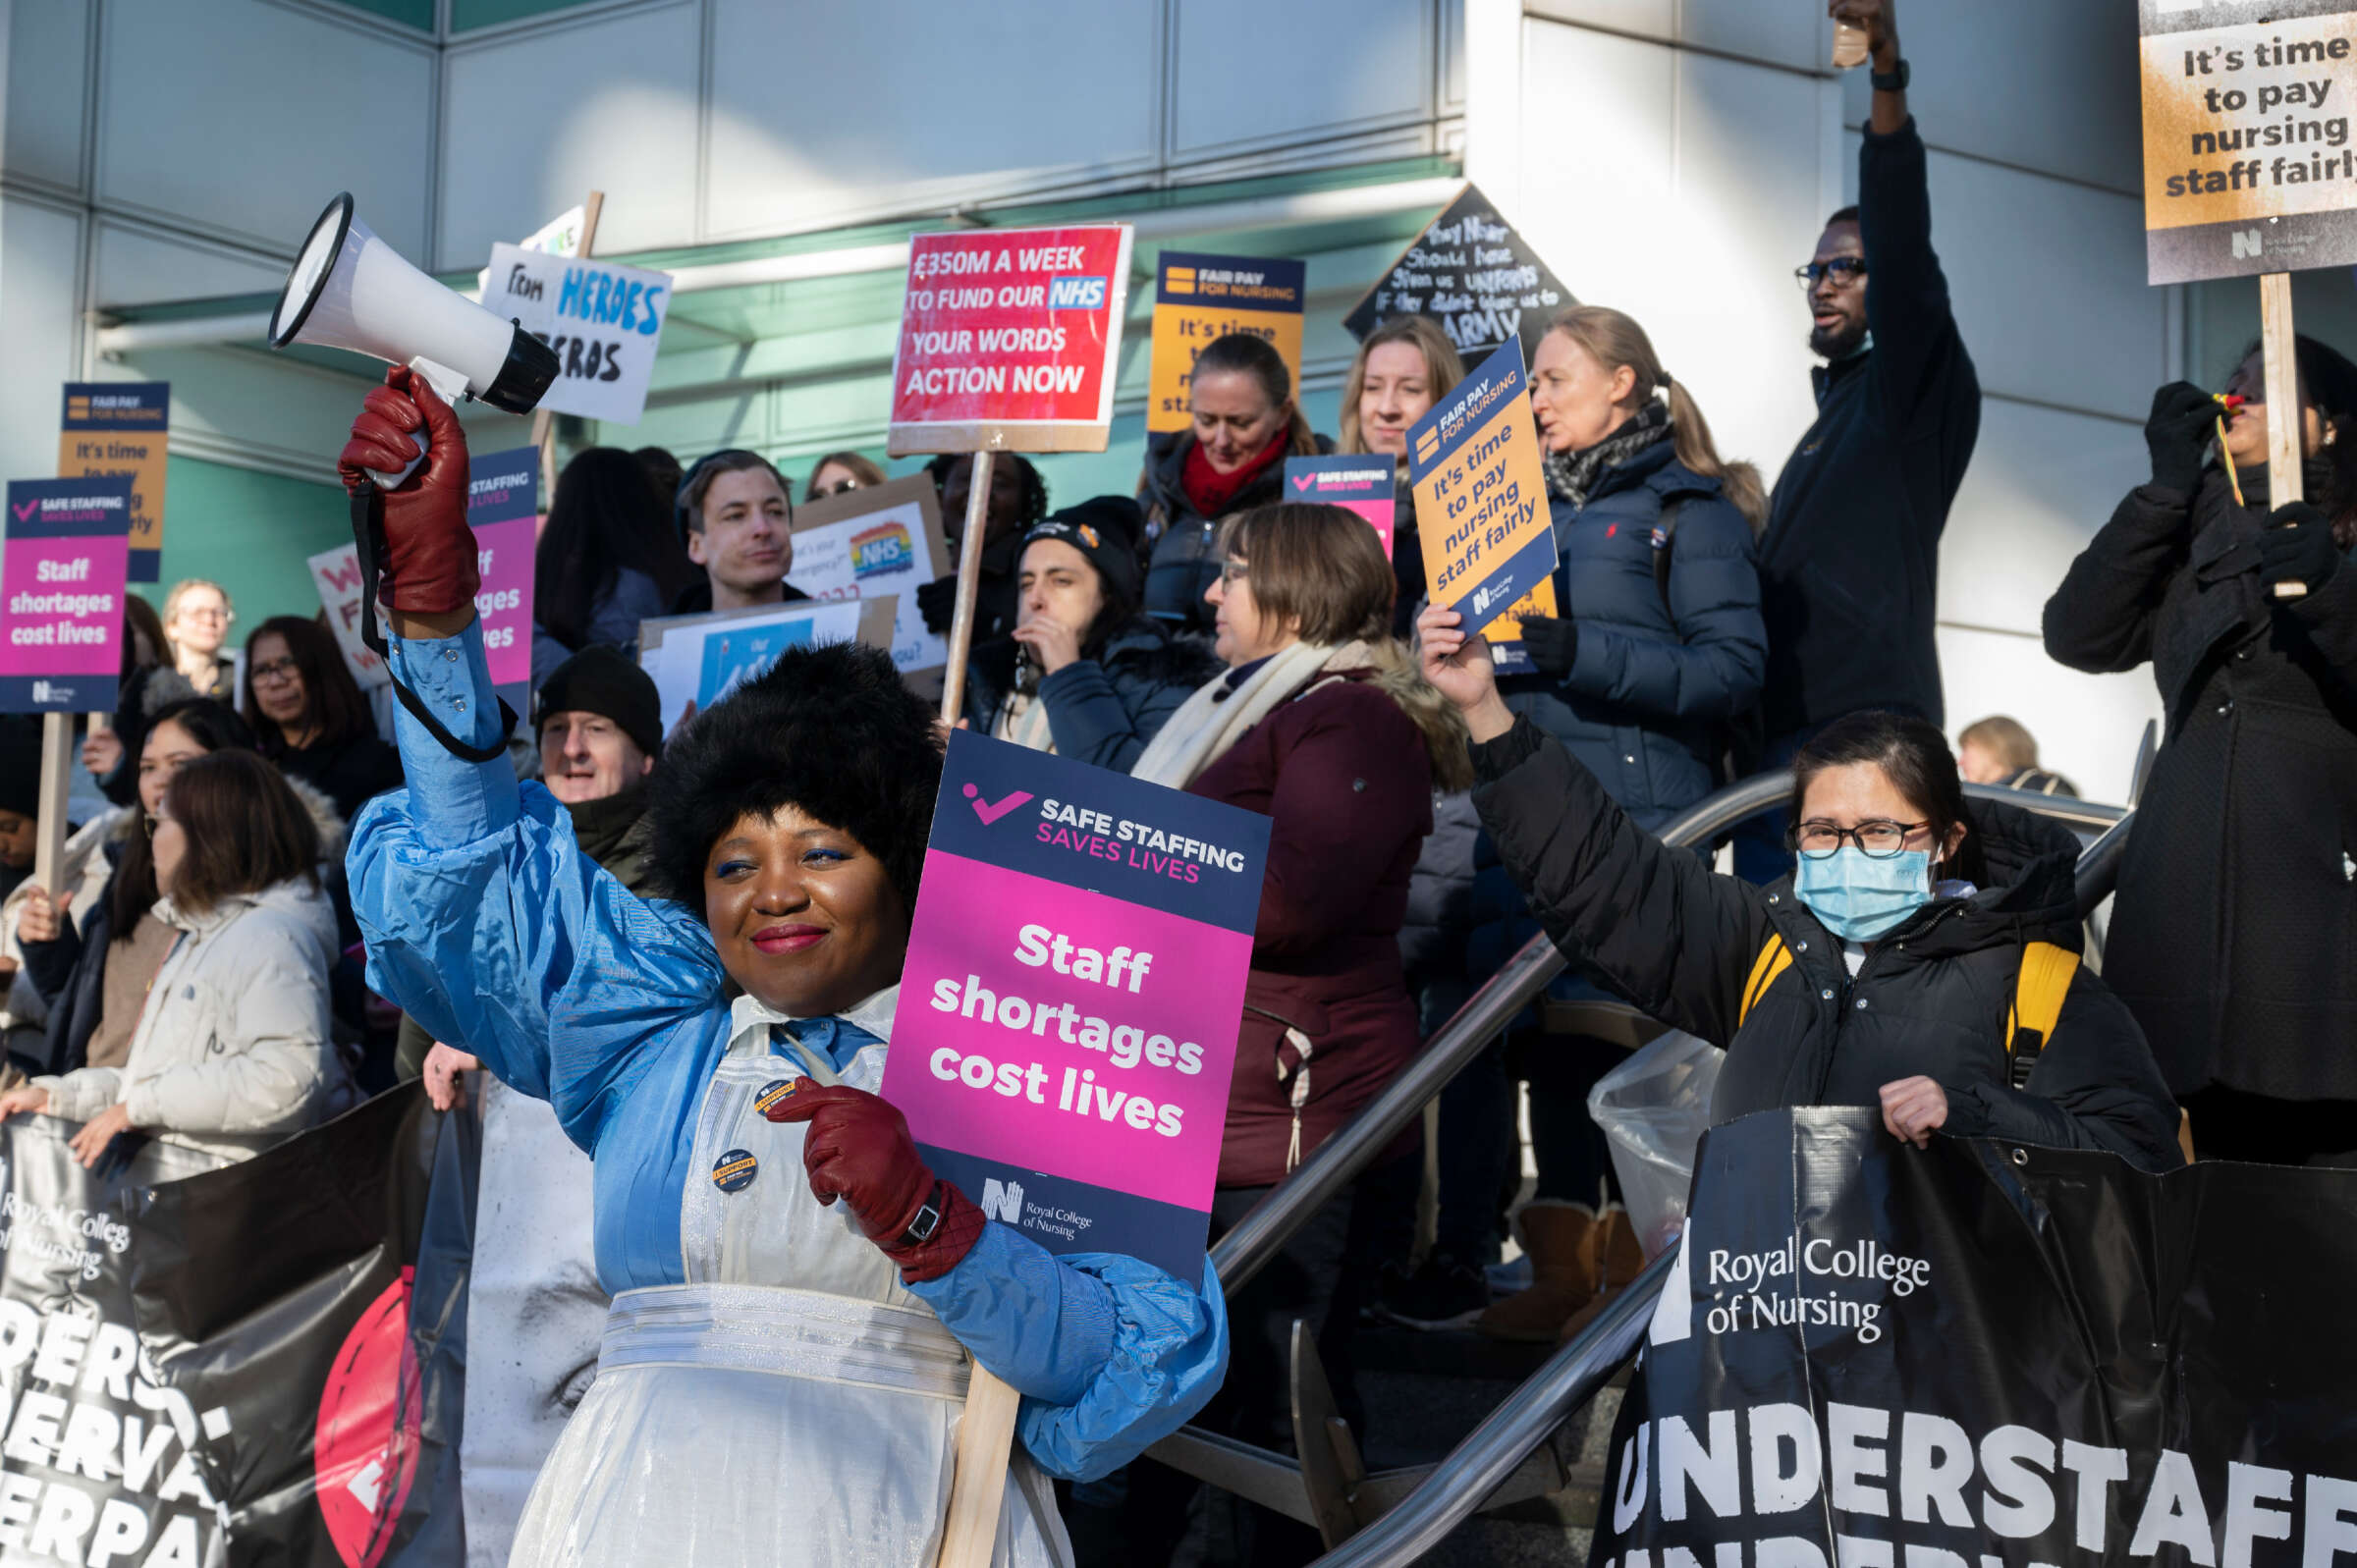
<point>1076,293</point>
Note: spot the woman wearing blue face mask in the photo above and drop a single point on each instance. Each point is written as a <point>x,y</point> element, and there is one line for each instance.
<point>1923,958</point>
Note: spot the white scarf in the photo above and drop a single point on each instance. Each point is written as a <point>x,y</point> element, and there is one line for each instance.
<point>1216,718</point>
<point>1023,719</point>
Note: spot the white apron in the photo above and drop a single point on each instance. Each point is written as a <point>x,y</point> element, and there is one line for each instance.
<point>735,1422</point>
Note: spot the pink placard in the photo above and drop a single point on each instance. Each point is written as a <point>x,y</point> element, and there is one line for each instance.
<point>1120,1082</point>
<point>64,607</point>
<point>504,557</point>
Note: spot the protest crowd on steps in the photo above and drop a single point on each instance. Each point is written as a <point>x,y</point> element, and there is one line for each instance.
<point>295,897</point>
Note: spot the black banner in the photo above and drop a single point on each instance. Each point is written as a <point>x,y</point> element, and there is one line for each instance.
<point>226,1365</point>
<point>1474,275</point>
<point>1875,1356</point>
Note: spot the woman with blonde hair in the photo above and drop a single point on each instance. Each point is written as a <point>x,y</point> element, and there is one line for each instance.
<point>1405,367</point>
<point>1652,657</point>
<point>197,615</point>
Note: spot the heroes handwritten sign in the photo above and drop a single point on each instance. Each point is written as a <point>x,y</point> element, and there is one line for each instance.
<point>1008,340</point>
<point>604,321</point>
<point>1066,1028</point>
<point>61,594</point>
<point>1481,495</point>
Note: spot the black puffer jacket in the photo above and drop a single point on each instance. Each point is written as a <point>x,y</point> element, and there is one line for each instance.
<point>1183,557</point>
<point>2234,931</point>
<point>1681,941</point>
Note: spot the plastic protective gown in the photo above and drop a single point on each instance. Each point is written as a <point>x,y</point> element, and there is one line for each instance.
<point>767,1391</point>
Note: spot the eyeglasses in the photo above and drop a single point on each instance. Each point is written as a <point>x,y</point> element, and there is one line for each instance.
<point>276,670</point>
<point>838,487</point>
<point>1875,841</point>
<point>1234,572</point>
<point>1844,270</point>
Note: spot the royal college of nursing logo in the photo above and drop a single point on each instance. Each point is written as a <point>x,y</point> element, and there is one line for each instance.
<point>884,548</point>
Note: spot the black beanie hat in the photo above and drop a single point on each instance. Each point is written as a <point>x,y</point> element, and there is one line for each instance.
<point>1106,530</point>
<point>603,680</point>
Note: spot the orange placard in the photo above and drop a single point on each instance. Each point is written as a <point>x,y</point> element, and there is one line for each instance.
<point>117,429</point>
<point>1481,499</point>
<point>1199,299</point>
<point>2249,165</point>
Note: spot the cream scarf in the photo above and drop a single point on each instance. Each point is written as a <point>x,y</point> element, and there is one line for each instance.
<point>1216,718</point>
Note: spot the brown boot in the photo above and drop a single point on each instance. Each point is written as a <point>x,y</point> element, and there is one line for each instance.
<point>1623,1261</point>
<point>1561,1239</point>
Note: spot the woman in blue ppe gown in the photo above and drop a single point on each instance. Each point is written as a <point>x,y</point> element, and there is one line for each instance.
<point>782,1376</point>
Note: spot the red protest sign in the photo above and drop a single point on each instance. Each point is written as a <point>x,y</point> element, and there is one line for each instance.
<point>1008,340</point>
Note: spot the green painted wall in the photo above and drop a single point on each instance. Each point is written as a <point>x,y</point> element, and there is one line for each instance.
<point>466,13</point>
<point>249,533</point>
<point>418,14</point>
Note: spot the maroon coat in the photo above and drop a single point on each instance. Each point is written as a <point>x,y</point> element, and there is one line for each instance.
<point>1346,777</point>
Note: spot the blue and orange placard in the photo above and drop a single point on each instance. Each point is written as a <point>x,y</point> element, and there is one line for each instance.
<point>1065,1035</point>
<point>117,428</point>
<point>1201,297</point>
<point>1361,484</point>
<point>61,594</point>
<point>1481,502</point>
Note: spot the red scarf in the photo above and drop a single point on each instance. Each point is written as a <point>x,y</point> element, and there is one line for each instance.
<point>1210,491</point>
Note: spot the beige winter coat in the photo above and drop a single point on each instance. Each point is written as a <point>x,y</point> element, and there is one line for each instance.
<point>232,1051</point>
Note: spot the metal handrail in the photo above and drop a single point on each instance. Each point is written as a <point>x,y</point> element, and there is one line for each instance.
<point>1248,1247</point>
<point>1462,1482</point>
<point>1495,1449</point>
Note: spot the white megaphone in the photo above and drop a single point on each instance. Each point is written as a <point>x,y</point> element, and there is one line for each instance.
<point>350,290</point>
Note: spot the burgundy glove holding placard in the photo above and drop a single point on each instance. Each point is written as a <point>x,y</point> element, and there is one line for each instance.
<point>857,1148</point>
<point>429,563</point>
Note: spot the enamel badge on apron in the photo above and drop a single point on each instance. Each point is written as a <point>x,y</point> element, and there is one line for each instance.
<point>735,1171</point>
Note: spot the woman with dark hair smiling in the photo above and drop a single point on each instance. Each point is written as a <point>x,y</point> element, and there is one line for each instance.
<point>780,1366</point>
<point>310,717</point>
<point>1901,965</point>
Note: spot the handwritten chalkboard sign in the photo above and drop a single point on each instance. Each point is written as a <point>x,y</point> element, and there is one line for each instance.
<point>1470,272</point>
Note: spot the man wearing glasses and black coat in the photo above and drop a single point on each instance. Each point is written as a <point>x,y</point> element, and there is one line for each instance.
<point>1849,559</point>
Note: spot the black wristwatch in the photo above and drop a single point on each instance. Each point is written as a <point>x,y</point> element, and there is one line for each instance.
<point>1896,82</point>
<point>928,1221</point>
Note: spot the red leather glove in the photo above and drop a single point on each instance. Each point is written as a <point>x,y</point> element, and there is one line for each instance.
<point>859,1150</point>
<point>429,565</point>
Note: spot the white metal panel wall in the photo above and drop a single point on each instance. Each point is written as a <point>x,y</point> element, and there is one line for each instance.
<point>536,120</point>
<point>48,56</point>
<point>40,277</point>
<point>1681,189</point>
<point>239,118</point>
<point>1674,158</point>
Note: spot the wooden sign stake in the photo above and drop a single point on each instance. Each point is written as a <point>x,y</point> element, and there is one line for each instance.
<point>985,1439</point>
<point>57,781</point>
<point>961,624</point>
<point>544,424</point>
<point>2285,419</point>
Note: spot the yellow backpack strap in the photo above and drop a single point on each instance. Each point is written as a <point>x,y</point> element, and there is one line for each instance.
<point>1773,960</point>
<point>2038,992</point>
